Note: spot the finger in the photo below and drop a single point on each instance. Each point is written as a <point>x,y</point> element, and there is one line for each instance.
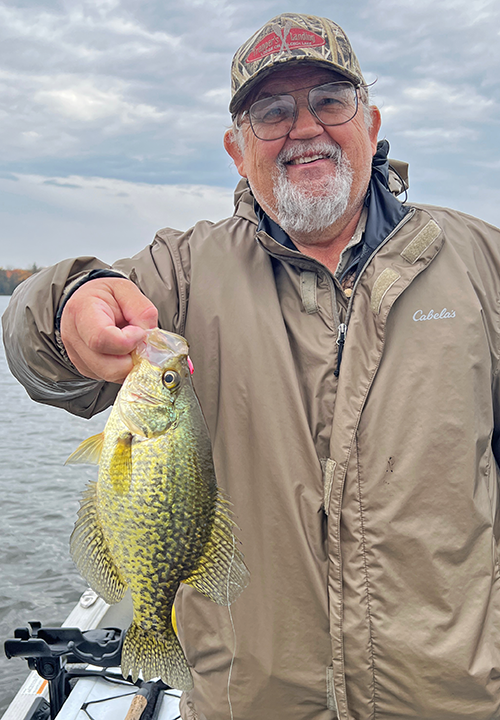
<point>115,321</point>
<point>109,339</point>
<point>97,365</point>
<point>102,323</point>
<point>112,368</point>
<point>99,322</point>
<point>134,306</point>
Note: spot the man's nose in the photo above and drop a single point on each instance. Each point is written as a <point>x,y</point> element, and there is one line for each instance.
<point>306,124</point>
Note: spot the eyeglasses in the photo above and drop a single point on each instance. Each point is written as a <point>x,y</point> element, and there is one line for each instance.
<point>273,117</point>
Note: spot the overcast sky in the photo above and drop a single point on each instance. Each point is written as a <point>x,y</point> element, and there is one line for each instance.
<point>112,111</point>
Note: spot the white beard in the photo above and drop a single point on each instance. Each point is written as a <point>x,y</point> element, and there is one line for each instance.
<point>300,211</point>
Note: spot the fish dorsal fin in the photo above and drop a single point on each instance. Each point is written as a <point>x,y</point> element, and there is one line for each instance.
<point>120,466</point>
<point>88,452</point>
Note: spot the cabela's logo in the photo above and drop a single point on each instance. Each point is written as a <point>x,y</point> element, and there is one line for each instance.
<point>431,315</point>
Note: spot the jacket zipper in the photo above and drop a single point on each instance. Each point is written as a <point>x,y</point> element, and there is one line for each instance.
<point>310,262</point>
<point>342,329</point>
<point>340,343</point>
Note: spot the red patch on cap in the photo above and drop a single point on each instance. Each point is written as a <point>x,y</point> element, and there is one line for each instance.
<point>273,43</point>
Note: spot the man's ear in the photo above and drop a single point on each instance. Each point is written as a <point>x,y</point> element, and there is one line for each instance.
<point>234,150</point>
<point>375,126</point>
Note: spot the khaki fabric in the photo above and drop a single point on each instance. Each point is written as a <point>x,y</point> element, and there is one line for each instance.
<point>389,605</point>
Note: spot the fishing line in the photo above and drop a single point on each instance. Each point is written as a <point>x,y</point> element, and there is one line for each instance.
<point>234,634</point>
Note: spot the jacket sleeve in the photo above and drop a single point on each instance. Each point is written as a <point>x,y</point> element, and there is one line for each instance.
<point>38,360</point>
<point>480,247</point>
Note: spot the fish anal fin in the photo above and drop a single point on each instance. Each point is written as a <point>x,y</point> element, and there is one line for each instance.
<point>155,654</point>
<point>120,466</point>
<point>88,452</point>
<point>90,551</point>
<point>221,574</point>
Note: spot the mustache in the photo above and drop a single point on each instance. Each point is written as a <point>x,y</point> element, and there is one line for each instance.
<point>329,150</point>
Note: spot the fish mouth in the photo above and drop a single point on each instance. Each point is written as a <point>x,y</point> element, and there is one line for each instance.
<point>160,346</point>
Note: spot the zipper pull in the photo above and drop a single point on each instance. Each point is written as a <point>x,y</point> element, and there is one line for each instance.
<point>341,333</point>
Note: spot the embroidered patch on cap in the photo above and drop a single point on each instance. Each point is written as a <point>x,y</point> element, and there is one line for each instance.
<point>283,39</point>
<point>291,37</point>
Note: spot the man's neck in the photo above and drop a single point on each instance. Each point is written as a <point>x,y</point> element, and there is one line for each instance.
<point>327,247</point>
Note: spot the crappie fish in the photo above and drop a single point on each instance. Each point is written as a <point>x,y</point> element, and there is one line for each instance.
<point>155,517</point>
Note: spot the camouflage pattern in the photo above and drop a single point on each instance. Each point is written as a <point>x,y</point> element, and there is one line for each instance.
<point>155,517</point>
<point>291,37</point>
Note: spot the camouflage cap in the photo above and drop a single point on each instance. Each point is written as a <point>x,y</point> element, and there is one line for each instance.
<point>291,37</point>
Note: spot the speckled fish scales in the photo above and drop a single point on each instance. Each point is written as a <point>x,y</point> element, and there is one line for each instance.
<point>155,517</point>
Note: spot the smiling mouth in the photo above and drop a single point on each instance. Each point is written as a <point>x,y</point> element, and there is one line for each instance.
<point>309,159</point>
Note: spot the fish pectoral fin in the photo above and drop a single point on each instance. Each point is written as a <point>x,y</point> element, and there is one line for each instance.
<point>221,574</point>
<point>120,466</point>
<point>90,551</point>
<point>88,452</point>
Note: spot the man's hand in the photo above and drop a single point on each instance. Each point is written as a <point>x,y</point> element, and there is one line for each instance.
<point>102,322</point>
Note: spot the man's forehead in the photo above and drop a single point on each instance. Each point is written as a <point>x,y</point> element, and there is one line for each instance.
<point>290,77</point>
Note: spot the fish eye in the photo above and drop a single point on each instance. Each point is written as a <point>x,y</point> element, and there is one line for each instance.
<point>171,379</point>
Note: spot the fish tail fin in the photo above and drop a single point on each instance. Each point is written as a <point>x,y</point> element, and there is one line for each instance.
<point>155,654</point>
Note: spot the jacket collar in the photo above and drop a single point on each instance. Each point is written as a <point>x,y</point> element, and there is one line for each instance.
<point>385,211</point>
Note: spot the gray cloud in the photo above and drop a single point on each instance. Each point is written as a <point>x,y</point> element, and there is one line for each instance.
<point>137,93</point>
<point>66,217</point>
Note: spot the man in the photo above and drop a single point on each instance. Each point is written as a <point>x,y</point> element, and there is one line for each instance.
<point>346,352</point>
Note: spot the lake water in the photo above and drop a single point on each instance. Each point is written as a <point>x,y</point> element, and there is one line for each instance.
<point>39,499</point>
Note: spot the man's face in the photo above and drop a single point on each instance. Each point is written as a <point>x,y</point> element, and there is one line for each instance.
<point>260,161</point>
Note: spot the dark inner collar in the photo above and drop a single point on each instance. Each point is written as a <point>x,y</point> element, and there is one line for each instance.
<point>272,228</point>
<point>384,213</point>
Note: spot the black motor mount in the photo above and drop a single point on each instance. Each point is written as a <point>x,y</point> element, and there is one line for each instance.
<point>48,651</point>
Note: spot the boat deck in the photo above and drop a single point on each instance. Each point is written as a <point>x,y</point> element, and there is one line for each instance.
<point>92,698</point>
<point>99,699</point>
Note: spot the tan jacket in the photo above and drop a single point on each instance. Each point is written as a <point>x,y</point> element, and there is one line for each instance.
<point>367,505</point>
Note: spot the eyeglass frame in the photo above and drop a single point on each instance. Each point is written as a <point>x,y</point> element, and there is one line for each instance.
<point>311,109</point>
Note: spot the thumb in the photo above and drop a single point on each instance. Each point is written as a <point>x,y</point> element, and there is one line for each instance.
<point>134,334</point>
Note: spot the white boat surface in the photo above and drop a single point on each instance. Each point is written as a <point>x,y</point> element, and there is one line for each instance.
<point>96,698</point>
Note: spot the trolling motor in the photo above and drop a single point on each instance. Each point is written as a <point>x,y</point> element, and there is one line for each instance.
<point>49,650</point>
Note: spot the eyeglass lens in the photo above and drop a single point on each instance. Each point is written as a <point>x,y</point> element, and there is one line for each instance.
<point>333,104</point>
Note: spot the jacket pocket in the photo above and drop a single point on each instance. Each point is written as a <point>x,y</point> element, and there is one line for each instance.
<point>188,710</point>
<point>328,466</point>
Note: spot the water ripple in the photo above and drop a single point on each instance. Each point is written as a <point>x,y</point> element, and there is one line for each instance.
<point>39,498</point>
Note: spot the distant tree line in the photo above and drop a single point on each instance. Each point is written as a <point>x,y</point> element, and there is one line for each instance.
<point>10,279</point>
